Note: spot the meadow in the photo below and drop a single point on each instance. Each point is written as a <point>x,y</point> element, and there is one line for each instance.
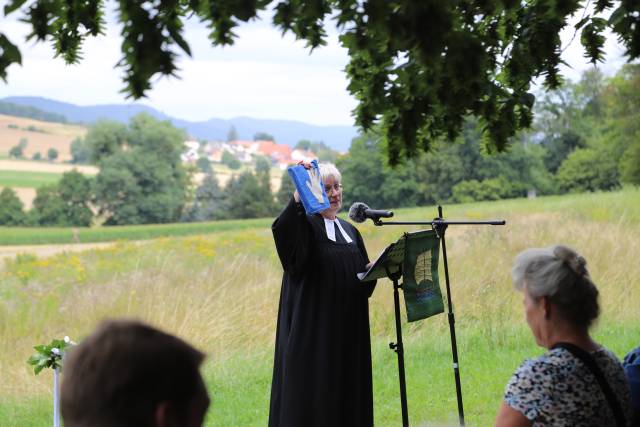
<point>219,290</point>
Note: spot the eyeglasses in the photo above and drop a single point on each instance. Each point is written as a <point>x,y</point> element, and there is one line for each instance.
<point>337,187</point>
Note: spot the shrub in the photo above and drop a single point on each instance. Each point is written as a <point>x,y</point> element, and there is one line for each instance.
<point>52,154</point>
<point>588,169</point>
<point>488,189</point>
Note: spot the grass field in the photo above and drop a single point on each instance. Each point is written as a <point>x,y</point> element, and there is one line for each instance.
<point>27,179</point>
<point>61,235</point>
<point>220,291</point>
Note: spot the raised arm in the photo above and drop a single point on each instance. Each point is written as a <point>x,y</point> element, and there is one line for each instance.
<point>292,236</point>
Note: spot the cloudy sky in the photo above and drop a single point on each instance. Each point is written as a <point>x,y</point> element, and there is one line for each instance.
<point>264,75</point>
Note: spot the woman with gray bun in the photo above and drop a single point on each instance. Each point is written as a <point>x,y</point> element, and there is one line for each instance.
<point>577,382</point>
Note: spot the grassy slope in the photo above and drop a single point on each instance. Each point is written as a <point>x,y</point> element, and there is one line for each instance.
<point>220,291</point>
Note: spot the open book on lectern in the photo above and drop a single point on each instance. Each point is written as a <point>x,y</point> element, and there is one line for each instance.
<point>389,261</point>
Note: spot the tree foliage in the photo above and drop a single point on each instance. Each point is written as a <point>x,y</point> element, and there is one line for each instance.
<point>589,130</point>
<point>209,201</point>
<point>262,165</point>
<point>366,178</point>
<point>587,169</point>
<point>263,136</point>
<point>247,197</point>
<point>17,110</point>
<point>11,208</point>
<point>630,165</point>
<point>232,134</point>
<point>286,190</point>
<point>204,165</point>
<point>323,152</point>
<point>52,154</point>
<point>141,178</point>
<point>63,204</point>
<point>417,68</point>
<point>80,151</point>
<point>104,139</point>
<point>230,160</point>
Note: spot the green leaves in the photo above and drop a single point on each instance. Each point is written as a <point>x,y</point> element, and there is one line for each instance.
<point>417,68</point>
<point>9,54</point>
<point>625,23</point>
<point>49,355</point>
<point>149,33</point>
<point>593,40</point>
<point>13,5</point>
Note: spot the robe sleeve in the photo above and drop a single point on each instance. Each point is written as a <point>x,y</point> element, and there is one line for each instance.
<point>363,250</point>
<point>292,235</point>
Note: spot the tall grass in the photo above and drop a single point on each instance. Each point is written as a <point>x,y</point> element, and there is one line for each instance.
<point>220,291</point>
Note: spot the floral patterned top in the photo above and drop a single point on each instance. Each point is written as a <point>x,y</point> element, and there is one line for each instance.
<point>557,389</point>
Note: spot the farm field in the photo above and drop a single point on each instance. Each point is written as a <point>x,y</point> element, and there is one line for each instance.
<point>27,179</point>
<point>25,166</point>
<point>25,176</point>
<point>219,289</point>
<point>40,136</point>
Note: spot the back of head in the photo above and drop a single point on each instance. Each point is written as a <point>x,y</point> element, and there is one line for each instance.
<point>121,373</point>
<point>560,274</point>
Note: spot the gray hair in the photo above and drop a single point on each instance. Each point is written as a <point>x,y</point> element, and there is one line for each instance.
<point>560,274</point>
<point>329,170</point>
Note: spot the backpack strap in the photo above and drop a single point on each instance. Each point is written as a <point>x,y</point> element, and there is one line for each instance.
<point>591,364</point>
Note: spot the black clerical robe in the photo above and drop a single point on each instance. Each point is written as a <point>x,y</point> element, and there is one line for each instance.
<point>322,364</point>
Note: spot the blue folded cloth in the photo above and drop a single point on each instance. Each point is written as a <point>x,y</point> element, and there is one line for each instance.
<point>310,187</point>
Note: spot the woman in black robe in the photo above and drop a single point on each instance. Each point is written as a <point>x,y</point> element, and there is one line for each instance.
<point>322,364</point>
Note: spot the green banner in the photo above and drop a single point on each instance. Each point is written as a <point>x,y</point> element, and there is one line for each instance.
<point>421,285</point>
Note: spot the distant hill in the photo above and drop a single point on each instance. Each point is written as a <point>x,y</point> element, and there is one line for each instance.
<point>284,131</point>
<point>18,110</point>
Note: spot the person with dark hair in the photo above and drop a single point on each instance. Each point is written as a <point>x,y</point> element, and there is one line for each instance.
<point>322,363</point>
<point>631,364</point>
<point>129,374</point>
<point>577,382</point>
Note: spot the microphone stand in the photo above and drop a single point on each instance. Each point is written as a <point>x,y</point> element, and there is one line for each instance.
<point>439,225</point>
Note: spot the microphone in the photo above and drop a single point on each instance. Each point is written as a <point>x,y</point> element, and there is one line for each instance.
<point>359,212</point>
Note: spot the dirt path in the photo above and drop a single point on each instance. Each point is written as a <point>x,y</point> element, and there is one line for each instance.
<point>49,250</point>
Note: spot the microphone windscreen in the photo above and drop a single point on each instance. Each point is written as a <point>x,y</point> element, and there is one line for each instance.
<point>357,212</point>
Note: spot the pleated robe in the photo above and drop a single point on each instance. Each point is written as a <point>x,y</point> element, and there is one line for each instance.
<point>322,363</point>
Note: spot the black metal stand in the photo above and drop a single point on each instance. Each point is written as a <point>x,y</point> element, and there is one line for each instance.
<point>398,347</point>
<point>439,226</point>
<point>440,231</point>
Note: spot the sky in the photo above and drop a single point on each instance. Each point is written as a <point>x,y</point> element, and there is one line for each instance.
<point>263,75</point>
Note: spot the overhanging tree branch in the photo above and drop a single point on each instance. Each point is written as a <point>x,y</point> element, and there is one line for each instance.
<point>417,68</point>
